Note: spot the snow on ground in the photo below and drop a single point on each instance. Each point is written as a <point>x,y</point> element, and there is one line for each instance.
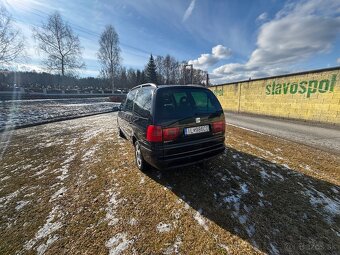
<point>163,227</point>
<point>88,155</point>
<point>111,208</point>
<point>118,243</point>
<point>8,198</point>
<point>23,112</point>
<point>44,246</point>
<point>58,193</point>
<point>200,219</point>
<point>174,248</point>
<point>4,178</point>
<point>331,206</point>
<point>21,204</point>
<point>51,225</point>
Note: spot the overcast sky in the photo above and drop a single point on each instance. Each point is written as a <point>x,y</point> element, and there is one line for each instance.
<point>232,40</point>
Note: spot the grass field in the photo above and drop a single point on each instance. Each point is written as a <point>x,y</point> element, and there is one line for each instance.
<point>72,187</point>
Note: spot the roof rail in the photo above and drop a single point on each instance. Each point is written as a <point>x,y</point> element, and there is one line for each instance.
<point>148,84</point>
<point>144,85</point>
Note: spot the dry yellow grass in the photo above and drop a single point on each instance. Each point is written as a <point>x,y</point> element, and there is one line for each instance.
<point>72,188</point>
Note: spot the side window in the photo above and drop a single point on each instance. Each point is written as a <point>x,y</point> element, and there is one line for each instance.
<point>143,102</point>
<point>129,100</point>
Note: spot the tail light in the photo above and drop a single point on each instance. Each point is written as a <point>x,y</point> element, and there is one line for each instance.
<point>170,134</point>
<point>157,134</point>
<point>154,133</point>
<point>218,126</point>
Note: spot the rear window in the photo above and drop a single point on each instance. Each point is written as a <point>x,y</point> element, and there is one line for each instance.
<point>178,103</point>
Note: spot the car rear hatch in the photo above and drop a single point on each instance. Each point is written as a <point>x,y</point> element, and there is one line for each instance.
<point>192,122</point>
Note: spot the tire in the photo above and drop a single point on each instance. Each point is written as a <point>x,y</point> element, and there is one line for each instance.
<point>140,162</point>
<point>121,135</point>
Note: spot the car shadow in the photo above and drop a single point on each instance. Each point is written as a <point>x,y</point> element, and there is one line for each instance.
<point>274,208</point>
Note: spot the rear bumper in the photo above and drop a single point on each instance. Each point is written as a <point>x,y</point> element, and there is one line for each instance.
<point>184,154</point>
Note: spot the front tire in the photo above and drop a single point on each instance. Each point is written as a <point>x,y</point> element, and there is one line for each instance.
<point>140,162</point>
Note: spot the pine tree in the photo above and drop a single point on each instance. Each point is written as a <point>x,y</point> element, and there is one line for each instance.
<point>150,72</point>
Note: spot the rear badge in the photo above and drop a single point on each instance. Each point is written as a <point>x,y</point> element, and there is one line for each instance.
<point>198,120</point>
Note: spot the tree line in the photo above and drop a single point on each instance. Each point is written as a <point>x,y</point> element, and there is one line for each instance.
<point>62,60</point>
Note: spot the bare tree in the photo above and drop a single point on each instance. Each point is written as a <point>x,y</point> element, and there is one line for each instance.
<point>62,47</point>
<point>11,40</point>
<point>109,54</point>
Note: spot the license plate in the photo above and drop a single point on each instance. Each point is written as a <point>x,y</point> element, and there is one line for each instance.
<point>196,130</point>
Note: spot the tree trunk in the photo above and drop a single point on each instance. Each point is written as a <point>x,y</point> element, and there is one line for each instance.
<point>62,67</point>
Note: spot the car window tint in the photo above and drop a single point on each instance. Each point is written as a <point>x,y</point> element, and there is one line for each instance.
<point>143,102</point>
<point>202,101</point>
<point>129,100</point>
<point>173,103</point>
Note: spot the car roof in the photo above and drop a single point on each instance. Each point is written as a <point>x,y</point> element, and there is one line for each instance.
<point>168,86</point>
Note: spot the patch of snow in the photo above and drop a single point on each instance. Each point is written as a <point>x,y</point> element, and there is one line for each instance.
<point>174,249</point>
<point>232,199</point>
<point>200,220</point>
<point>264,175</point>
<point>50,226</point>
<point>250,229</point>
<point>286,166</point>
<point>111,209</point>
<point>242,219</point>
<point>244,188</point>
<point>225,247</point>
<point>260,203</point>
<point>163,227</point>
<point>336,232</point>
<point>268,153</point>
<point>21,204</point>
<point>4,178</point>
<point>133,222</point>
<point>93,177</point>
<point>59,193</point>
<point>328,205</point>
<point>43,247</point>
<point>91,133</point>
<point>29,194</point>
<point>5,200</point>
<point>278,175</point>
<point>88,155</point>
<point>40,172</point>
<point>334,190</point>
<point>118,244</point>
<point>273,249</point>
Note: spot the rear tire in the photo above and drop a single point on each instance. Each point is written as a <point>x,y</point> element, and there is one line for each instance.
<point>140,162</point>
<point>121,133</point>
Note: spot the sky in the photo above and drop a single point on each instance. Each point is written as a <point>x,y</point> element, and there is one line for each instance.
<point>231,40</point>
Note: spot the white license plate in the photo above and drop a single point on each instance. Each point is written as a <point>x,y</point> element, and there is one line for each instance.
<point>196,130</point>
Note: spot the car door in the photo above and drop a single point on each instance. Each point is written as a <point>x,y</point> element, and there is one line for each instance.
<point>128,113</point>
<point>142,108</point>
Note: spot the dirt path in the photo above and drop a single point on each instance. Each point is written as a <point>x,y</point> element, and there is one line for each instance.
<point>72,188</point>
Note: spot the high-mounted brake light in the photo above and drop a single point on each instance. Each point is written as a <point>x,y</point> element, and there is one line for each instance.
<point>170,134</point>
<point>218,126</point>
<point>154,133</point>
